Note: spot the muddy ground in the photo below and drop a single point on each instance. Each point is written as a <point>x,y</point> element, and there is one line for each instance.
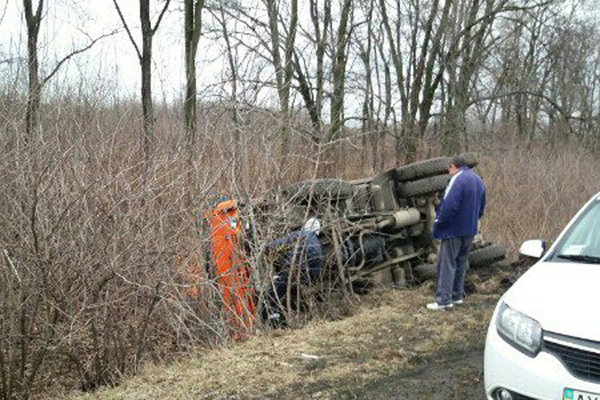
<point>453,370</point>
<point>443,376</point>
<point>390,347</point>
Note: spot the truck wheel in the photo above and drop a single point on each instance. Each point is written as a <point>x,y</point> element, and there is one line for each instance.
<point>430,167</point>
<point>425,272</point>
<point>502,265</point>
<point>486,255</point>
<point>424,186</point>
<point>492,270</point>
<point>423,169</point>
<point>320,189</point>
<point>382,279</point>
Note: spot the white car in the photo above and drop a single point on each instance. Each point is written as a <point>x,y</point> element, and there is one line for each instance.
<point>543,341</point>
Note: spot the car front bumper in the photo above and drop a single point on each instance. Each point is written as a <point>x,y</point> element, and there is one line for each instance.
<point>542,377</point>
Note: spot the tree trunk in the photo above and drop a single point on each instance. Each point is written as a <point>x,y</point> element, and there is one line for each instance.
<point>283,68</point>
<point>193,26</point>
<point>339,83</point>
<point>237,134</point>
<point>287,82</point>
<point>454,126</point>
<point>34,87</point>
<point>321,40</point>
<point>145,60</point>
<point>146,69</point>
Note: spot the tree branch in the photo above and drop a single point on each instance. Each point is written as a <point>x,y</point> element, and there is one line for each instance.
<point>542,96</point>
<point>197,22</point>
<point>73,54</point>
<point>137,49</point>
<point>160,17</point>
<point>38,14</point>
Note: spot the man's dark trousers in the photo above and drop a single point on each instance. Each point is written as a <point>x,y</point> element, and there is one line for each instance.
<point>453,261</point>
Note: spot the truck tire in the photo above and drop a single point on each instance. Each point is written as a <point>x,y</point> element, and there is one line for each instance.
<point>430,167</point>
<point>492,270</point>
<point>424,186</point>
<point>383,278</point>
<point>425,272</point>
<point>428,272</point>
<point>320,189</point>
<point>491,256</point>
<point>486,256</point>
<point>361,200</point>
<point>501,265</point>
<point>423,169</point>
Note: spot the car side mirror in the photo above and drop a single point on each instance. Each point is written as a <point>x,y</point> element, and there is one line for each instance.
<point>533,248</point>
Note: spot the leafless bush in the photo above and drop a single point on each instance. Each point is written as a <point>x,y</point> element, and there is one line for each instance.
<point>95,240</point>
<point>88,252</point>
<point>101,251</point>
<point>533,191</point>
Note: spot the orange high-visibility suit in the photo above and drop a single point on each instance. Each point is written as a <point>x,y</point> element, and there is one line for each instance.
<point>231,269</point>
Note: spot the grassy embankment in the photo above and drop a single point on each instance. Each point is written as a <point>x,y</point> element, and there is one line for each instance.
<point>389,332</point>
<point>531,194</point>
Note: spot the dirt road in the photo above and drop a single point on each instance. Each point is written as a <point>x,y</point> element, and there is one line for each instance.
<point>446,375</point>
<point>456,375</point>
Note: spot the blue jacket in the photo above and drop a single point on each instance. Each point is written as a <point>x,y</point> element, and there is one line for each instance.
<point>302,248</point>
<point>462,206</point>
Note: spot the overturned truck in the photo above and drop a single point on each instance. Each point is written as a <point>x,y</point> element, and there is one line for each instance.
<point>379,229</point>
<point>374,232</point>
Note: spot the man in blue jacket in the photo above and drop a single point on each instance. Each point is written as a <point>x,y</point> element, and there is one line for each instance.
<point>456,225</point>
<point>304,253</point>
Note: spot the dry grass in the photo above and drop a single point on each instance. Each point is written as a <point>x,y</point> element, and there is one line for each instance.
<point>533,192</point>
<point>390,331</point>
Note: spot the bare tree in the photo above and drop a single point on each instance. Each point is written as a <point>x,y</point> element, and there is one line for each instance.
<point>312,91</point>
<point>283,68</point>
<point>193,29</point>
<point>365,53</point>
<point>338,78</point>
<point>33,20</point>
<point>275,33</point>
<point>145,59</point>
<point>339,70</point>
<point>221,16</point>
<point>418,80</point>
<point>469,46</point>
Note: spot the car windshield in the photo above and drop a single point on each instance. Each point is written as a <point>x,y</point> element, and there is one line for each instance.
<point>581,243</point>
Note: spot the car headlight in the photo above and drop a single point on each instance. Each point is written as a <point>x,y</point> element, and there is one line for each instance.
<point>519,330</point>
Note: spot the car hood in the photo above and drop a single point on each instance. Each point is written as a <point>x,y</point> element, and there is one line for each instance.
<point>563,297</point>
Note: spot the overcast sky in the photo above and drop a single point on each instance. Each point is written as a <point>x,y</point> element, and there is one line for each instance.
<point>68,25</point>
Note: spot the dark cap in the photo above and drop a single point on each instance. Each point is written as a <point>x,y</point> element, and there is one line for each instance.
<point>459,161</point>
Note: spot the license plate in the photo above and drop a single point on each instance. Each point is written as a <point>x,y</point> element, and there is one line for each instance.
<point>572,394</point>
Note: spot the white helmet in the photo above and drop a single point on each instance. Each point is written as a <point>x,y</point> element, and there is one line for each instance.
<point>312,225</point>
